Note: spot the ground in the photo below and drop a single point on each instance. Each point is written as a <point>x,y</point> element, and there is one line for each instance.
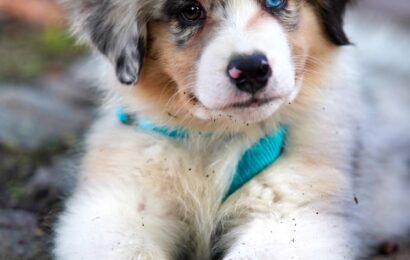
<point>46,104</point>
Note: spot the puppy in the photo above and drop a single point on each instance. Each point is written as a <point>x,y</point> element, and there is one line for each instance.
<point>201,84</point>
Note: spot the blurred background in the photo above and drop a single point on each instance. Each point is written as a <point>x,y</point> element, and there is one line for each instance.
<point>47,102</point>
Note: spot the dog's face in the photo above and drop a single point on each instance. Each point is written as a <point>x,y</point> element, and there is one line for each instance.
<point>240,60</point>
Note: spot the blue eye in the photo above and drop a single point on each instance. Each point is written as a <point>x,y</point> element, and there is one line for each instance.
<point>275,4</point>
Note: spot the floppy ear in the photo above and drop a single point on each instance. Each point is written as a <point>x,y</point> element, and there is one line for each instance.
<point>332,14</point>
<point>114,28</point>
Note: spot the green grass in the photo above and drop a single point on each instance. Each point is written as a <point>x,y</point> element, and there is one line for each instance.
<point>27,53</point>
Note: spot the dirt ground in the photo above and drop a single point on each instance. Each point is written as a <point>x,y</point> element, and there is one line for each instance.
<point>46,104</point>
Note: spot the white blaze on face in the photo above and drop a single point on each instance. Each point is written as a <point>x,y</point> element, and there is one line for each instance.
<point>246,29</point>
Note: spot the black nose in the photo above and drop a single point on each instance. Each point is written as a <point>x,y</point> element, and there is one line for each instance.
<point>250,73</point>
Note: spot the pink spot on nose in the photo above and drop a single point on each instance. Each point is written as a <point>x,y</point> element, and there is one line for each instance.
<point>234,73</point>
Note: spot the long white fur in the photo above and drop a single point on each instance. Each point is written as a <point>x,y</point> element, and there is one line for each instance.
<point>144,196</point>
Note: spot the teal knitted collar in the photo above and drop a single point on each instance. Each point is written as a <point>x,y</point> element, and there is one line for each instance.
<point>256,159</point>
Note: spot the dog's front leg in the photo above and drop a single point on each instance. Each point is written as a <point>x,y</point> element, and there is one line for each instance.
<point>111,218</point>
<point>300,212</point>
<point>305,237</point>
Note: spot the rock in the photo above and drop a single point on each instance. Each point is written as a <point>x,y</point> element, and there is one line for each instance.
<point>401,255</point>
<point>384,71</point>
<point>40,192</point>
<point>76,87</point>
<point>25,235</point>
<point>48,185</point>
<point>20,238</point>
<point>32,119</point>
<point>40,122</point>
<point>398,9</point>
<point>385,76</point>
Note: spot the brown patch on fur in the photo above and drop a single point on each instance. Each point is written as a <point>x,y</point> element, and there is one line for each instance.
<point>179,63</point>
<point>168,73</point>
<point>312,52</point>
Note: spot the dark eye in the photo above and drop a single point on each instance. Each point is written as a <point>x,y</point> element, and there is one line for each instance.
<point>192,13</point>
<point>276,4</point>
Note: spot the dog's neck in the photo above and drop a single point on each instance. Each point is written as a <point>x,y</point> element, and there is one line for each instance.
<point>255,159</point>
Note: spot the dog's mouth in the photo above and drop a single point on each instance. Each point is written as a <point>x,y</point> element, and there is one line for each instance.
<point>249,111</point>
<point>253,102</point>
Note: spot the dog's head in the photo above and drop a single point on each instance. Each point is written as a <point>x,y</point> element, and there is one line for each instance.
<point>238,60</point>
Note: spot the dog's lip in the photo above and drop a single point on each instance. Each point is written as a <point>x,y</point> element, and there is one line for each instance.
<point>252,102</point>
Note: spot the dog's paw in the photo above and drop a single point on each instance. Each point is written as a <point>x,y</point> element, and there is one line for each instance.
<point>287,252</point>
<point>111,254</point>
<point>249,253</point>
<point>291,240</point>
<point>76,249</point>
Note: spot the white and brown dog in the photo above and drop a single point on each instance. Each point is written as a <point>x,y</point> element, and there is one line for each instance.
<point>201,168</point>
